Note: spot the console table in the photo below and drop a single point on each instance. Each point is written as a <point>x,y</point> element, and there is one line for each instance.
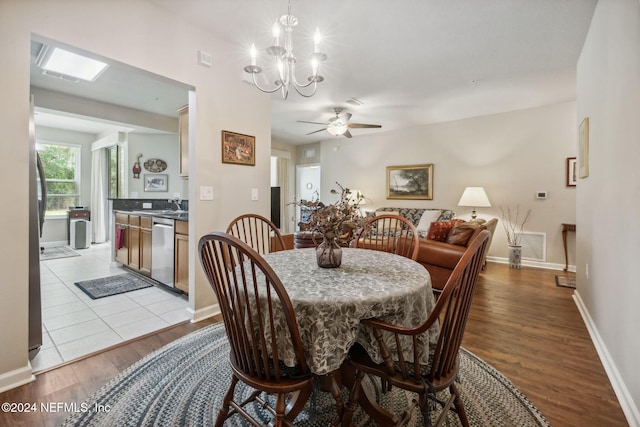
<point>565,228</point>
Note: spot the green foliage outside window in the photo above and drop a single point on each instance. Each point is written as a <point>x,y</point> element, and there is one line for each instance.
<point>61,169</point>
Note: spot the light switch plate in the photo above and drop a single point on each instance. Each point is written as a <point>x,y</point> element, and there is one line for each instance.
<point>254,194</point>
<point>206,193</point>
<point>147,206</point>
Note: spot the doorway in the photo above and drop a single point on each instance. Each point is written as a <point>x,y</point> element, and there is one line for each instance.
<point>307,184</point>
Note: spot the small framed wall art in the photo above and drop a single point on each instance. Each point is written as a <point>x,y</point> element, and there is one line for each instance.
<point>238,149</point>
<point>156,182</point>
<point>572,171</point>
<point>413,182</point>
<point>583,148</point>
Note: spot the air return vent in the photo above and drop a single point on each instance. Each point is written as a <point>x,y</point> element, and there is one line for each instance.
<point>534,245</point>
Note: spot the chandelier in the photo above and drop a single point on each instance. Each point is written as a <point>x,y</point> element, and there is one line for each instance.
<point>285,60</point>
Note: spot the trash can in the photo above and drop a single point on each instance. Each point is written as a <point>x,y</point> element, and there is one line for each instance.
<point>80,237</point>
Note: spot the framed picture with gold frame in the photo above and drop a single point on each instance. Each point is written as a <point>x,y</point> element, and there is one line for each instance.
<point>238,149</point>
<point>583,148</point>
<point>414,182</point>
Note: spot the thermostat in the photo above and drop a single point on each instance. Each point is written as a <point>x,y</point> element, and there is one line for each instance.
<point>541,194</point>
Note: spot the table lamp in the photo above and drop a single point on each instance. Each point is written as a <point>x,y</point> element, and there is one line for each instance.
<point>474,197</point>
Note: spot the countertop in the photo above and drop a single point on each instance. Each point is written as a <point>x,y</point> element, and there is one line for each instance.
<point>162,213</point>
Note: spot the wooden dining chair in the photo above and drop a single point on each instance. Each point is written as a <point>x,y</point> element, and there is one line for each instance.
<point>450,313</point>
<point>259,321</point>
<point>258,232</point>
<point>389,233</point>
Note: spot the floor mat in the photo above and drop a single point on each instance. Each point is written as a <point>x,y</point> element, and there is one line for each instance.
<point>113,285</point>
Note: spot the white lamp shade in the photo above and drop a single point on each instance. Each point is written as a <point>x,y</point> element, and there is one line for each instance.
<point>474,197</point>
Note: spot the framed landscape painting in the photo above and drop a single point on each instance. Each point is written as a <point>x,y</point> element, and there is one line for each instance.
<point>410,182</point>
<point>238,149</point>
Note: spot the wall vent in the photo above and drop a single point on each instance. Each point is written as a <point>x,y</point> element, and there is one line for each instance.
<point>534,245</point>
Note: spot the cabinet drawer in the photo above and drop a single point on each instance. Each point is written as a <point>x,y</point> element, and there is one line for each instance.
<point>182,227</point>
<point>145,222</point>
<point>134,220</point>
<point>122,218</point>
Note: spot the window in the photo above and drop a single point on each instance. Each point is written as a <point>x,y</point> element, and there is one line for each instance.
<point>61,163</point>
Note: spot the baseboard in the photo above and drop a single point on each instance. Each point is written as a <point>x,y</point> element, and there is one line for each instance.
<point>16,378</point>
<point>535,264</point>
<point>625,399</point>
<point>203,313</point>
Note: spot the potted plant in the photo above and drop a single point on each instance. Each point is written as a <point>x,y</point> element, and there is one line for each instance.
<point>513,222</point>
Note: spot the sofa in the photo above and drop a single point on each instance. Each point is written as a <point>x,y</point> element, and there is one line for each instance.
<point>442,244</point>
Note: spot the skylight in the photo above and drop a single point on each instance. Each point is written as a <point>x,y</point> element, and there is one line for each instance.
<point>62,63</point>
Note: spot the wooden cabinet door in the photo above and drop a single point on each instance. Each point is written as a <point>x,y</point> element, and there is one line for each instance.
<point>121,244</point>
<point>181,280</point>
<point>145,245</point>
<point>183,141</point>
<point>134,242</point>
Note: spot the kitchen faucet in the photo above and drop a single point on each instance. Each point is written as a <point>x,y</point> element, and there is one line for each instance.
<point>177,201</point>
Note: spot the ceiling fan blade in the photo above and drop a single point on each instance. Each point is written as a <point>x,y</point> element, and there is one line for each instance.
<point>313,123</point>
<point>362,125</point>
<point>347,134</point>
<point>316,131</point>
<point>346,116</point>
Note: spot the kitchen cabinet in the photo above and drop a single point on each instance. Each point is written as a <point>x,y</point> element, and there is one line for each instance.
<point>145,245</point>
<point>122,238</point>
<point>133,242</point>
<point>182,256</point>
<point>183,141</point>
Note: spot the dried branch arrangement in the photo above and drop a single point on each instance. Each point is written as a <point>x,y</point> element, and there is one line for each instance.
<point>513,222</point>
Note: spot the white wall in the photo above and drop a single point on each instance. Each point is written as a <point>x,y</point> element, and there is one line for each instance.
<point>512,155</point>
<point>609,198</point>
<point>151,146</point>
<point>152,39</point>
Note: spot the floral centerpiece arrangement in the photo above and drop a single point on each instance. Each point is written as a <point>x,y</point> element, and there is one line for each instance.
<point>335,222</point>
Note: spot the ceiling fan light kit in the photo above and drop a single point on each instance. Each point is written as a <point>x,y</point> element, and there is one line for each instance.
<point>282,51</point>
<point>339,125</point>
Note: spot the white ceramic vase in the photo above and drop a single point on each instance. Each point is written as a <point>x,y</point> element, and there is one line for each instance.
<point>515,256</point>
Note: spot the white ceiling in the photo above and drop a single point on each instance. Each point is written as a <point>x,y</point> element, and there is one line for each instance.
<point>411,62</point>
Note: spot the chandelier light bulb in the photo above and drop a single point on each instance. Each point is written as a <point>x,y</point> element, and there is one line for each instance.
<point>253,53</point>
<point>285,61</point>
<point>275,30</point>
<point>316,41</point>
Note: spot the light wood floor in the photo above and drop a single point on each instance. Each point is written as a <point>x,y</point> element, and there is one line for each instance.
<point>520,322</point>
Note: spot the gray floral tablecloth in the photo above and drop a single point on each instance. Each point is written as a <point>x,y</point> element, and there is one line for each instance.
<point>329,303</point>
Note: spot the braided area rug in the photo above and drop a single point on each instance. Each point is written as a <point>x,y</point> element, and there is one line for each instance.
<point>183,384</point>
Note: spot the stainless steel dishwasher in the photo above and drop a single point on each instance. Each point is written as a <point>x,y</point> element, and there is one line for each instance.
<point>162,250</point>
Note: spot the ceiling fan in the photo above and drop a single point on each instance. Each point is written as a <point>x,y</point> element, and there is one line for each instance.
<point>339,125</point>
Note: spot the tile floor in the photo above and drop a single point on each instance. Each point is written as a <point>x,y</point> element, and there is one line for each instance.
<point>75,325</point>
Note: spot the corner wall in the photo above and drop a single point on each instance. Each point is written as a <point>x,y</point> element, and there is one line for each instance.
<point>609,198</point>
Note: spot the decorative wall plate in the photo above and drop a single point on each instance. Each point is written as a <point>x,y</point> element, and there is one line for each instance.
<point>155,165</point>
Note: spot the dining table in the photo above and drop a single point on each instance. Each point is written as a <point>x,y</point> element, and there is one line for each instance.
<point>329,304</point>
